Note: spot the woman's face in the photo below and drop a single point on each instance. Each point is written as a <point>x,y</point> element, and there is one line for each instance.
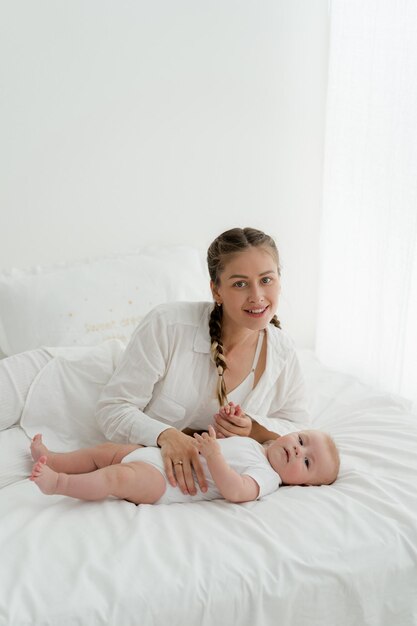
<point>248,289</point>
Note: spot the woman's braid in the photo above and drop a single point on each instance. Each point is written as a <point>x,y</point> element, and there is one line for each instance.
<point>216,348</point>
<point>275,321</point>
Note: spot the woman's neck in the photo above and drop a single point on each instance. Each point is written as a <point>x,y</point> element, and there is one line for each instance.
<point>238,338</point>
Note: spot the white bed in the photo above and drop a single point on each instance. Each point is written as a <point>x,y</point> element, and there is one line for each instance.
<point>343,555</point>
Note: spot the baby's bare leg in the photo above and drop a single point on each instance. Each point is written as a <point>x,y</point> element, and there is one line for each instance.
<point>137,482</point>
<point>84,460</point>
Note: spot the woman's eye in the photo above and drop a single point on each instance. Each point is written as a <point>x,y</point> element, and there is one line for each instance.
<point>239,284</point>
<point>266,280</point>
<point>307,462</point>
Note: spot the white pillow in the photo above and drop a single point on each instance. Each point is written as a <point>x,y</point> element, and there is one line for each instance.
<point>15,460</point>
<point>85,303</point>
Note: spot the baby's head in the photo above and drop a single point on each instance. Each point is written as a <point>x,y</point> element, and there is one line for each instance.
<point>309,457</point>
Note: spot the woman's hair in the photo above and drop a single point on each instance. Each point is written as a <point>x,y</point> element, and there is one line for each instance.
<point>228,243</point>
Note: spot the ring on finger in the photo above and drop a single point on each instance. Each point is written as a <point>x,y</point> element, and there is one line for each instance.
<point>178,462</point>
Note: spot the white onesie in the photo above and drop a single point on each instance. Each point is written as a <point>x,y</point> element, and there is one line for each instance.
<point>243,454</point>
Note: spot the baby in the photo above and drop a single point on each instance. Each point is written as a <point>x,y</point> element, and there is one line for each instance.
<point>238,469</point>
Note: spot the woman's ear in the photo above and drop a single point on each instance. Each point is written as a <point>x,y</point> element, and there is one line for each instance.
<point>215,293</point>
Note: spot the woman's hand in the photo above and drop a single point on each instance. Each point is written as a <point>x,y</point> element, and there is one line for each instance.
<point>180,456</point>
<point>231,421</point>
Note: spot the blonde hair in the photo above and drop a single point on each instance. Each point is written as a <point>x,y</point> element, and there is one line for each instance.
<point>333,470</point>
<point>228,243</point>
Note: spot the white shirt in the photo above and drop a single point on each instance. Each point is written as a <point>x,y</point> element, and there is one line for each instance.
<point>166,378</point>
<point>239,394</point>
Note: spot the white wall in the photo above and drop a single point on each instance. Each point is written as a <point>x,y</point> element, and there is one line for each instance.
<point>129,122</point>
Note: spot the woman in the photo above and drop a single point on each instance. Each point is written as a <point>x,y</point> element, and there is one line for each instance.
<point>185,360</point>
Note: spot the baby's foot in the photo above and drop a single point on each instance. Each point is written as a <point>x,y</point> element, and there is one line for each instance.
<point>37,448</point>
<point>44,476</point>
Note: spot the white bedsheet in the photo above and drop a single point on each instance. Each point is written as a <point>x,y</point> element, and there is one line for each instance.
<point>339,555</point>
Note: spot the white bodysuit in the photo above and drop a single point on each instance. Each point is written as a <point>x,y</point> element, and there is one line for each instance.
<point>243,454</point>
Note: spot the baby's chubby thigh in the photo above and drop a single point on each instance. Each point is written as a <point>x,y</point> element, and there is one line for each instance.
<point>145,482</point>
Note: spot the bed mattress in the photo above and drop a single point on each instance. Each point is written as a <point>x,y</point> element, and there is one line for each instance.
<point>344,554</point>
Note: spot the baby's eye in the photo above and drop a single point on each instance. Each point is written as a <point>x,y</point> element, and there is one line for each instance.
<point>300,440</point>
<point>239,284</point>
<point>307,462</point>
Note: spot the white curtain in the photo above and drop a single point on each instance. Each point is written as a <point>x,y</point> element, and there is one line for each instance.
<point>367,316</point>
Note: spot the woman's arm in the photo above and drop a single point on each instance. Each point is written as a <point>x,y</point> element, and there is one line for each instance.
<point>120,412</point>
<point>232,421</point>
<point>262,434</point>
<point>232,486</point>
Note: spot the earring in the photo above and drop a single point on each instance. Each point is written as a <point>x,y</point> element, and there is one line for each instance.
<point>218,303</point>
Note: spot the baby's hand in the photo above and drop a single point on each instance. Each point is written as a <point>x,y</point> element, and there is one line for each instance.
<point>225,424</point>
<point>207,444</point>
<point>229,410</point>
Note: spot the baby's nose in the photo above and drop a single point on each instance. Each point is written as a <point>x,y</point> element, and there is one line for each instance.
<point>296,450</point>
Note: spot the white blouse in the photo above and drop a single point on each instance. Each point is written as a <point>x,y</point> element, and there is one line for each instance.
<point>166,378</point>
<point>239,394</point>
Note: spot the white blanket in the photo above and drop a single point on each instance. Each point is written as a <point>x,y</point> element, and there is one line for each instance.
<point>343,555</point>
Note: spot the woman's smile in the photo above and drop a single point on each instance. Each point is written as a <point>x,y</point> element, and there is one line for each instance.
<point>257,312</point>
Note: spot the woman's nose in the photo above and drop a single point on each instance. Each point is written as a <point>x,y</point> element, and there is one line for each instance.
<point>256,294</point>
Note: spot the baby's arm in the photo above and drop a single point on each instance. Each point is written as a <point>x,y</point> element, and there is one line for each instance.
<point>232,486</point>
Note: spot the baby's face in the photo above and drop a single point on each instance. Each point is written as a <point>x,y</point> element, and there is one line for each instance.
<point>303,458</point>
